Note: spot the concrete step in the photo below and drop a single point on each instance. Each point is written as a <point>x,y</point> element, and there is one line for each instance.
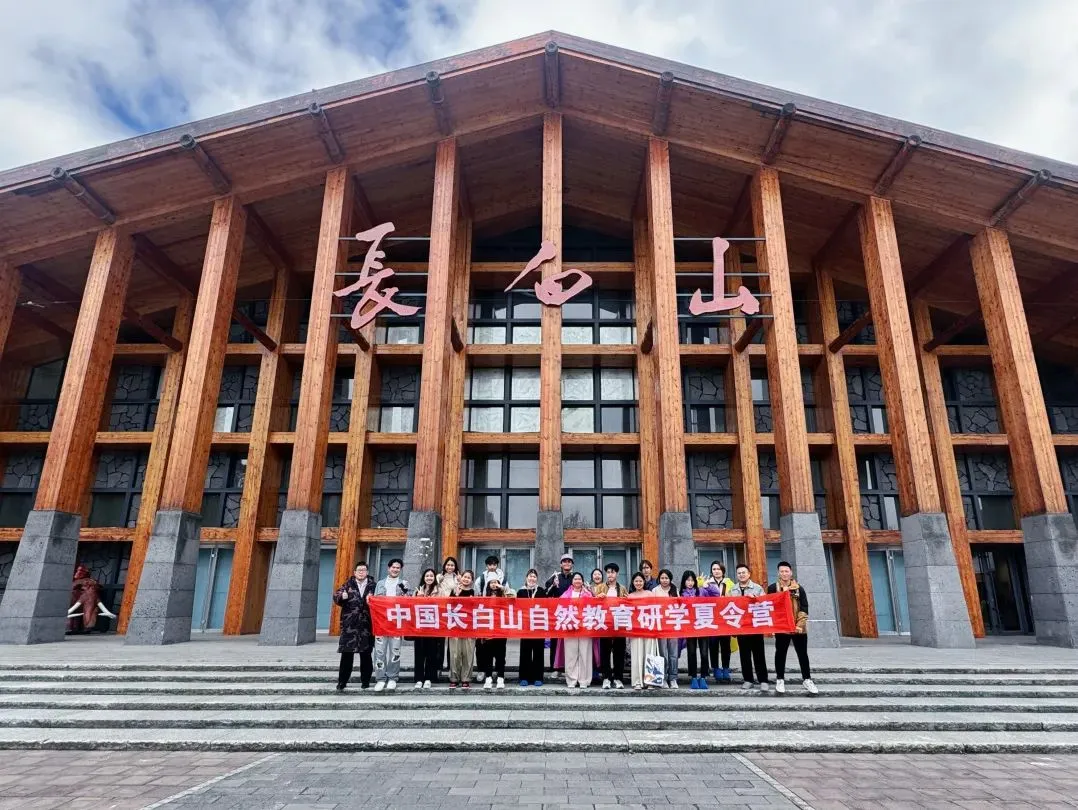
<point>652,718</point>
<point>785,738</point>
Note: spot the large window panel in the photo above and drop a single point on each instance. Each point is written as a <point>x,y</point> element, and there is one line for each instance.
<point>38,407</point>
<point>704,391</point>
<point>987,492</point>
<point>22,474</point>
<point>499,491</point>
<point>502,400</point>
<point>599,400</point>
<point>223,489</point>
<point>391,488</point>
<point>711,494</point>
<point>879,490</point>
<point>135,395</point>
<point>117,488</point>
<point>971,400</point>
<point>236,399</point>
<point>864,390</point>
<point>607,497</point>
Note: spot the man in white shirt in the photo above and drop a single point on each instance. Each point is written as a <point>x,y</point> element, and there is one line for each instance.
<point>387,649</point>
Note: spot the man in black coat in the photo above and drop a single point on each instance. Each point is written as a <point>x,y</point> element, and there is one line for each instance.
<point>357,632</point>
<point>555,586</point>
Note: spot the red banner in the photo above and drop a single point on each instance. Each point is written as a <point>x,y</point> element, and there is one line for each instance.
<point>651,617</point>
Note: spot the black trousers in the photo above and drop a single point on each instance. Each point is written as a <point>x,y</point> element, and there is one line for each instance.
<point>801,647</point>
<point>697,646</point>
<point>719,649</point>
<point>612,658</point>
<point>752,655</point>
<point>490,655</point>
<point>428,654</point>
<point>366,669</point>
<point>531,659</point>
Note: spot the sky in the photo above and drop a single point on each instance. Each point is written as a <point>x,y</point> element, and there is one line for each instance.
<point>75,74</point>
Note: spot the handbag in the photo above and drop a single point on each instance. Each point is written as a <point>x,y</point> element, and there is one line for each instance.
<point>654,670</point>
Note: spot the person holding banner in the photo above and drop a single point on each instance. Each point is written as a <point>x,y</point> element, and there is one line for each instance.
<point>357,635</point>
<point>530,668</point>
<point>751,646</point>
<point>719,647</point>
<point>387,649</point>
<point>462,650</point>
<point>428,651</point>
<point>578,664</point>
<point>668,647</point>
<point>639,646</point>
<point>611,650</point>
<point>799,638</point>
<point>555,586</point>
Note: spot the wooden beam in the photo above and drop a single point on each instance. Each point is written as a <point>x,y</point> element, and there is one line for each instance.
<point>660,117</point>
<point>937,267</point>
<point>364,216</point>
<point>648,400</point>
<point>190,451</point>
<point>81,193</point>
<point>667,356</point>
<point>823,256</point>
<point>436,93</point>
<point>1019,197</point>
<point>778,133</point>
<point>82,396</point>
<point>45,324</point>
<point>961,325</point>
<point>1037,482</point>
<point>551,76</point>
<point>894,168</point>
<point>10,281</point>
<point>206,164</point>
<point>850,332</point>
<point>550,358</point>
<point>254,330</point>
<point>852,570</point>
<point>946,465</point>
<point>160,263</point>
<point>748,334</point>
<point>316,388</point>
<point>783,368</point>
<point>268,244</point>
<point>157,462</point>
<point>740,212</point>
<point>430,448</point>
<point>325,132</point>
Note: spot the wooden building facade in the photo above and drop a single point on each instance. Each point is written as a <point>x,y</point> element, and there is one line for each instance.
<point>182,392</point>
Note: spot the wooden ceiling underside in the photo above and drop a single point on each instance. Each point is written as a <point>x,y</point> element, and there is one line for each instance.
<point>493,103</point>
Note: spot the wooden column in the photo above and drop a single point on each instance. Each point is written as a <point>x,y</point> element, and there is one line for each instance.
<point>434,389</point>
<point>190,451</point>
<point>648,381</point>
<point>71,442</point>
<point>9,296</point>
<point>250,561</point>
<point>666,345</point>
<point>946,466</point>
<point>898,359</point>
<point>746,464</point>
<point>783,367</point>
<point>851,567</point>
<point>550,359</point>
<point>1037,481</point>
<point>157,462</point>
<point>320,356</point>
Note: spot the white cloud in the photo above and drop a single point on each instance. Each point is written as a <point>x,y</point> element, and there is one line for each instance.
<point>76,74</point>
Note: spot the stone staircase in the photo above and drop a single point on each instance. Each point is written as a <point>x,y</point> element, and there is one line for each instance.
<point>294,707</point>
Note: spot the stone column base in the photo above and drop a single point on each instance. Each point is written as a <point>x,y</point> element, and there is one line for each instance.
<point>166,589</point>
<point>549,544</point>
<point>1051,546</point>
<point>422,547</point>
<point>939,616</point>
<point>38,593</point>
<point>802,547</point>
<point>291,612</point>
<point>677,551</point>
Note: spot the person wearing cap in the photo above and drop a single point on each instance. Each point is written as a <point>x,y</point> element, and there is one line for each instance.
<point>558,584</point>
<point>612,650</point>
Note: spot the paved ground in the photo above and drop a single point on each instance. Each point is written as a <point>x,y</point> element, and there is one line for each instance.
<point>45,779</point>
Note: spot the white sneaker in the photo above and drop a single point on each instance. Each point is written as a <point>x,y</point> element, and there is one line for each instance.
<point>569,690</point>
<point>780,687</point>
<point>488,683</point>
<point>747,685</point>
<point>619,685</point>
<point>392,685</point>
<point>810,687</point>
<point>764,689</point>
<point>585,685</point>
<point>418,685</point>
<point>426,684</point>
<point>378,687</point>
<point>638,687</point>
<point>673,684</point>
<point>606,683</point>
<point>501,683</point>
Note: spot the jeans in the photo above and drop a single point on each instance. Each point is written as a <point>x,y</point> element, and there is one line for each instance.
<point>344,672</point>
<point>387,658</point>
<point>668,649</point>
<point>782,645</point>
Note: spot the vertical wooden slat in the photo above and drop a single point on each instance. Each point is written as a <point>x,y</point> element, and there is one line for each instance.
<point>434,388</point>
<point>156,464</point>
<point>320,357</point>
<point>1038,484</point>
<point>550,359</point>
<point>648,380</point>
<point>666,346</point>
<point>746,463</point>
<point>190,452</point>
<point>852,570</point>
<point>783,367</point>
<point>10,281</point>
<point>898,359</point>
<point>946,466</point>
<point>250,563</point>
<point>71,442</point>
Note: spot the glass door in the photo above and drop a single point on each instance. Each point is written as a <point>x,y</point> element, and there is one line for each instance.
<point>514,562</point>
<point>587,558</point>
<point>1001,586</point>
<point>327,561</point>
<point>888,569</point>
<point>212,574</point>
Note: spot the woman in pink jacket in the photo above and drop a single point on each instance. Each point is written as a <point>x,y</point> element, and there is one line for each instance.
<point>578,663</point>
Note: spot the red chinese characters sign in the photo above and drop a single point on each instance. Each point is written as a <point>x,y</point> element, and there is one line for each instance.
<point>652,617</point>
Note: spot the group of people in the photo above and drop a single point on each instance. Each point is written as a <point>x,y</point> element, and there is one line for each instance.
<point>579,661</point>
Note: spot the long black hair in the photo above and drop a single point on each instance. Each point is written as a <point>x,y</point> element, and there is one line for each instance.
<point>688,575</point>
<point>423,588</point>
<point>670,576</point>
<point>634,578</point>
<point>456,565</point>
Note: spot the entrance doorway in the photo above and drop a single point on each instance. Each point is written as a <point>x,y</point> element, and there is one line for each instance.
<point>1002,588</point>
<point>587,558</point>
<point>514,562</point>
<point>212,573</point>
<point>888,569</point>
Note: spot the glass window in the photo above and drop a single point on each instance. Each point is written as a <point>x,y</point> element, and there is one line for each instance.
<point>256,311</point>
<point>613,411</point>
<point>38,408</point>
<point>864,390</point>
<point>987,493</point>
<point>1068,467</point>
<point>117,488</point>
<point>236,399</point>
<point>711,498</point>
<point>879,490</point>
<point>22,474</point>
<point>599,316</point>
<point>496,318</point>
<point>391,488</point>
<point>223,489</point>
<point>850,311</point>
<point>487,410</point>
<point>135,394</point>
<point>1060,387</point>
<point>770,488</point>
<point>499,491</point>
<point>398,400</point>
<point>704,392</point>
<point>604,496</point>
<point>971,400</point>
<point>761,400</point>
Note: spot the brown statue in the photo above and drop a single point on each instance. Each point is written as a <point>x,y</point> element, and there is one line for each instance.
<point>86,600</point>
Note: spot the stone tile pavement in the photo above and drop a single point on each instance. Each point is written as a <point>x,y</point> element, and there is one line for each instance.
<point>121,780</point>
